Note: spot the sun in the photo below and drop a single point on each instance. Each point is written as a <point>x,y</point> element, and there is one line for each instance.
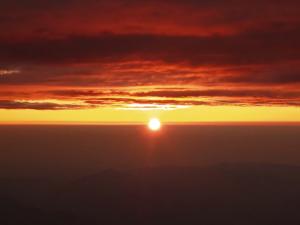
<point>154,124</point>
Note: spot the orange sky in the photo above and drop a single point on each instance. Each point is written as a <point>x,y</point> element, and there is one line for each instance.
<point>126,60</point>
<point>187,115</point>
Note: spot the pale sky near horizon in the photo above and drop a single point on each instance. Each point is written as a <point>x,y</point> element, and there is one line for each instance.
<point>194,114</point>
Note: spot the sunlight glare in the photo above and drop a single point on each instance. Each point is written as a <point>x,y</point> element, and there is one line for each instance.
<point>154,124</point>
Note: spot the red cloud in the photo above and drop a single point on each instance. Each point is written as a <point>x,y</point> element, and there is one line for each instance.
<point>119,52</point>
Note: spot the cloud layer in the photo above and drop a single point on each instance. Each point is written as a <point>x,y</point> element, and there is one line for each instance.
<point>122,53</point>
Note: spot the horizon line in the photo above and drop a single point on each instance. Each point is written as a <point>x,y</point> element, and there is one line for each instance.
<point>119,123</point>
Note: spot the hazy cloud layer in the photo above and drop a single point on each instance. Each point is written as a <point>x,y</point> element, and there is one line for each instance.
<point>122,52</point>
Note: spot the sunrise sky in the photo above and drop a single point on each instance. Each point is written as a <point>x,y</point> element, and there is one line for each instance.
<point>129,60</point>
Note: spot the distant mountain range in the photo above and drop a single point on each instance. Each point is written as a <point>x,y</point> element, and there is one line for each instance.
<point>241,194</point>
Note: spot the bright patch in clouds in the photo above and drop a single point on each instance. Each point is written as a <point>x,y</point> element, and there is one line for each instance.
<point>8,72</point>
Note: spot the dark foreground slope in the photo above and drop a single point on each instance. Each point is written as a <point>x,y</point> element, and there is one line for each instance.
<point>225,194</point>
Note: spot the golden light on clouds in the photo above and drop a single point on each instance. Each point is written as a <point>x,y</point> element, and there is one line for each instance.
<point>186,66</point>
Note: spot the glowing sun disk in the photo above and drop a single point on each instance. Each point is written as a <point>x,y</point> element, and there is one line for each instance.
<point>154,124</point>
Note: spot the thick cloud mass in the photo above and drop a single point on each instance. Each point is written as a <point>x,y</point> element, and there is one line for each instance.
<point>127,52</point>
